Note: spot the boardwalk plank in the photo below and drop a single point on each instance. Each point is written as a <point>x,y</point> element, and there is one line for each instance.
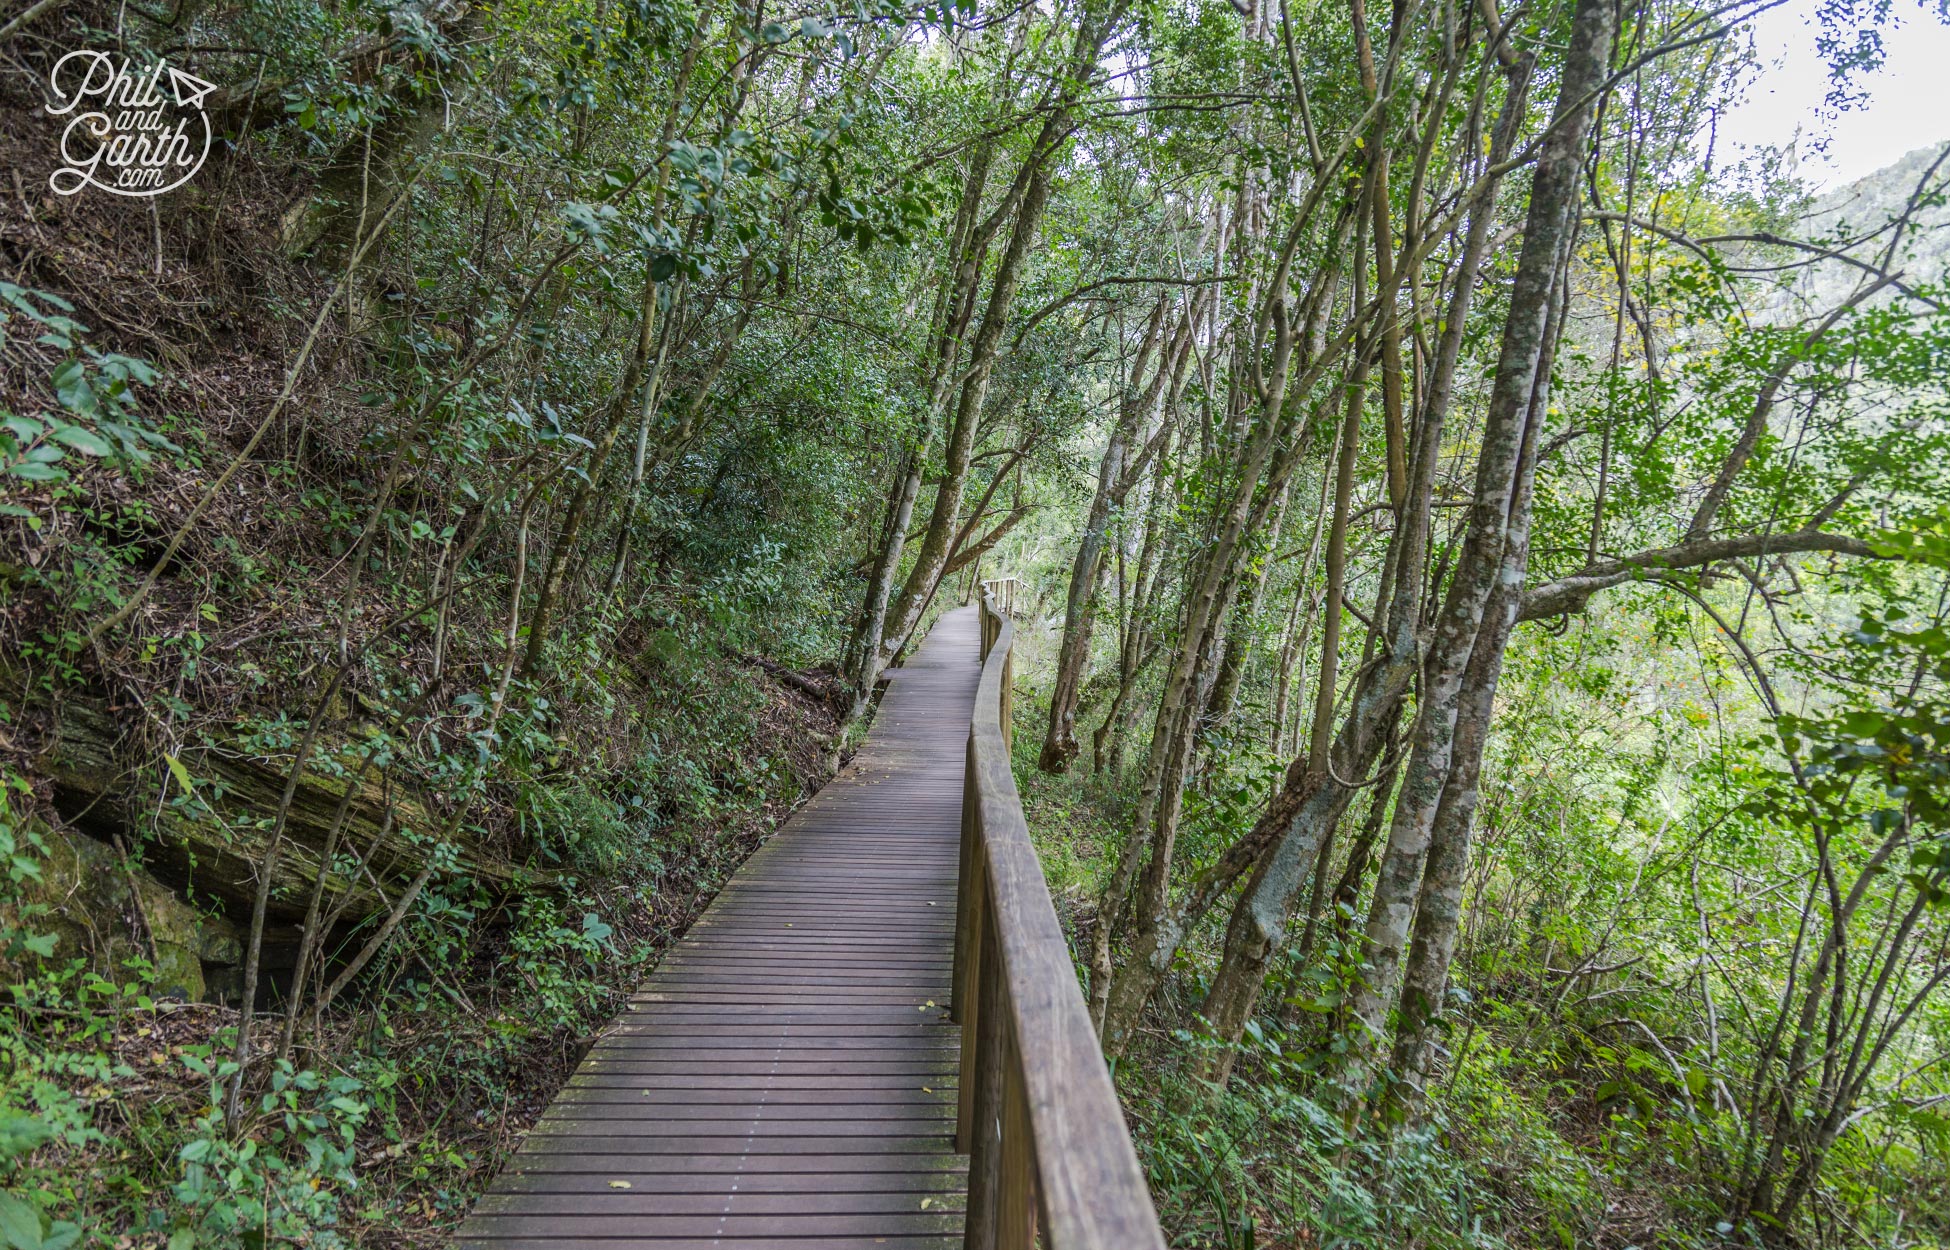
<point>786,1079</point>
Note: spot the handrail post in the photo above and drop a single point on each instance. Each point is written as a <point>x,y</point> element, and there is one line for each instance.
<point>982,1094</point>
<point>1006,713</point>
<point>965,885</point>
<point>1015,1223</point>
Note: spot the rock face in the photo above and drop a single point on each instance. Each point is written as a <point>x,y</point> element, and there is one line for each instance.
<point>209,847</point>
<point>107,909</point>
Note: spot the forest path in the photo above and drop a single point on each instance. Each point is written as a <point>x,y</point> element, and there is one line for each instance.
<point>787,1077</point>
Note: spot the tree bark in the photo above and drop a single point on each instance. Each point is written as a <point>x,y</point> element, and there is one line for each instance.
<point>1117,1000</point>
<point>1522,369</point>
<point>1154,825</point>
<point>1135,649</point>
<point>1239,639</point>
<point>1028,196</point>
<point>955,308</point>
<point>1284,843</point>
<point>1086,570</point>
<point>1438,908</point>
<point>1116,474</point>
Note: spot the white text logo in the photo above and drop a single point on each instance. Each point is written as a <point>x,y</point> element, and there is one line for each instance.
<point>131,131</point>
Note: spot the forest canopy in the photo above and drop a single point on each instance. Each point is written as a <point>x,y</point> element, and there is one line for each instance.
<point>1483,562</point>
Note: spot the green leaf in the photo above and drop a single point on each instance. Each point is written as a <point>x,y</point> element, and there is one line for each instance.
<point>17,296</point>
<point>29,472</point>
<point>129,368</point>
<point>26,429</point>
<point>21,1133</point>
<point>71,387</point>
<point>1863,724</point>
<point>181,774</point>
<point>591,223</point>
<point>20,1224</point>
<point>87,442</point>
<point>133,436</point>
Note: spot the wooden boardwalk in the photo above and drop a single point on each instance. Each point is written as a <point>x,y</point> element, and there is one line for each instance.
<point>786,1080</point>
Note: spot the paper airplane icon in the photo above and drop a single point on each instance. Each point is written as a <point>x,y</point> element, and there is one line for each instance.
<point>189,90</point>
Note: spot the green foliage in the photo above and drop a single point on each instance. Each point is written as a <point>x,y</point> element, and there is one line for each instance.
<point>1262,1164</point>
<point>283,1181</point>
<point>664,307</point>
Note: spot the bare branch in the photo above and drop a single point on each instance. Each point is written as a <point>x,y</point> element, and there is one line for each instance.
<point>1571,592</point>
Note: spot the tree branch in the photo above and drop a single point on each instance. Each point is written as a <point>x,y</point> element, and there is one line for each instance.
<point>1571,592</point>
<point>970,554</point>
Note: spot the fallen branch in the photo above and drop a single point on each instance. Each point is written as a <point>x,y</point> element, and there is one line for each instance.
<point>836,696</point>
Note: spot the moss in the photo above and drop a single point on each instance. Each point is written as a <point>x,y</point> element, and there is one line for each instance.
<point>99,902</point>
<point>104,781</point>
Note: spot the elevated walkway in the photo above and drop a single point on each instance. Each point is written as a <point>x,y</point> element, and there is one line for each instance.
<point>791,1076</point>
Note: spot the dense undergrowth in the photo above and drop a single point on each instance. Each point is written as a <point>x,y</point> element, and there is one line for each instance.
<point>1508,1156</point>
<point>468,849</point>
<point>1575,1109</point>
<point>384,1126</point>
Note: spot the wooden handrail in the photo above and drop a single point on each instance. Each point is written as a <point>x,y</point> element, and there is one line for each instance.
<point>1039,1117</point>
<point>1003,590</point>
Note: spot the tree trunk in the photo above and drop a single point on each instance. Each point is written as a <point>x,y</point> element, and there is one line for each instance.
<point>1327,691</point>
<point>1154,825</point>
<point>1521,369</point>
<point>1117,1001</point>
<point>1284,843</point>
<point>1134,649</point>
<point>881,584</point>
<point>554,576</point>
<point>1438,908</point>
<point>1348,887</point>
<point>1079,610</point>
<point>953,311</point>
<point>1034,182</point>
<point>1239,639</point>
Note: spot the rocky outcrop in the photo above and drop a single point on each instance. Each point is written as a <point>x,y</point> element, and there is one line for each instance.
<point>209,844</point>
<point>103,907</point>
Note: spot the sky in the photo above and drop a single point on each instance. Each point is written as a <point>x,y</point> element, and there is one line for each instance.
<point>1908,105</point>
